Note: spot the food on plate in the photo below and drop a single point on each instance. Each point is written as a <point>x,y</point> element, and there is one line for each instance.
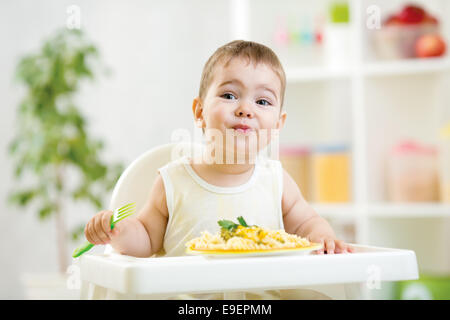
<point>242,237</point>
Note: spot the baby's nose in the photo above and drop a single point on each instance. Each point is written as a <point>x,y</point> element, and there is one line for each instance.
<point>244,110</point>
<point>240,114</point>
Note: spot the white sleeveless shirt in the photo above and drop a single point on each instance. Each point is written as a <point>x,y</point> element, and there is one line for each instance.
<point>195,205</point>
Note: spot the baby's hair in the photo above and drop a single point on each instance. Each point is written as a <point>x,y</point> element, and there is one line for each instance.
<point>254,52</point>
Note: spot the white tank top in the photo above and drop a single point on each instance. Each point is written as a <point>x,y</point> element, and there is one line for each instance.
<point>195,205</point>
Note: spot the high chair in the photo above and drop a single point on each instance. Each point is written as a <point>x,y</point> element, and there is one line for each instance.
<point>340,276</point>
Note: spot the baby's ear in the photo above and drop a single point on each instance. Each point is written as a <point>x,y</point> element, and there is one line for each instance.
<point>197,109</point>
<point>281,120</point>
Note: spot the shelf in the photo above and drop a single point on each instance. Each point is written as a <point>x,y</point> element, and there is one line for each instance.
<point>371,69</point>
<point>410,210</point>
<point>405,67</point>
<point>384,210</point>
<point>334,210</point>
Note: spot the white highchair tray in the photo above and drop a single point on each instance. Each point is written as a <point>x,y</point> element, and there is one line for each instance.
<point>130,275</point>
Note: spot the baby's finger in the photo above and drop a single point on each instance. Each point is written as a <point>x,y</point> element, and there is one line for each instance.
<point>86,233</point>
<point>98,227</point>
<point>106,218</point>
<point>340,246</point>
<point>350,249</point>
<point>329,243</point>
<point>90,233</point>
<point>320,251</point>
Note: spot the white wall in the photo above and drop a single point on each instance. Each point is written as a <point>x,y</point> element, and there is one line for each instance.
<point>156,50</point>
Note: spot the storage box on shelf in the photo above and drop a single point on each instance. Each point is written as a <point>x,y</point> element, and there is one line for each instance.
<point>322,175</point>
<point>412,174</point>
<point>331,174</point>
<point>295,161</point>
<point>445,163</point>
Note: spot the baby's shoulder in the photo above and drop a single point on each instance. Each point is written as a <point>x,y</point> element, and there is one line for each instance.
<point>158,195</point>
<point>175,164</point>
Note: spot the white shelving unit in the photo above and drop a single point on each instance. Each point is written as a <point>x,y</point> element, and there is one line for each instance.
<point>368,84</point>
<point>374,69</point>
<point>385,210</point>
<point>407,67</point>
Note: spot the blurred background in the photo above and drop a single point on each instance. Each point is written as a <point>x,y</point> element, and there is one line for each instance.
<point>88,86</point>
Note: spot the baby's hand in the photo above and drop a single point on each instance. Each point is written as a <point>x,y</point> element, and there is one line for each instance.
<point>98,229</point>
<point>331,245</point>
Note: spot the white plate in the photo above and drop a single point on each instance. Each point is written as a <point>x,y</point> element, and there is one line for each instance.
<point>253,253</point>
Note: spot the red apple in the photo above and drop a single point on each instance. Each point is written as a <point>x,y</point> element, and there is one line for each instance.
<point>393,20</point>
<point>429,19</point>
<point>412,14</point>
<point>430,45</point>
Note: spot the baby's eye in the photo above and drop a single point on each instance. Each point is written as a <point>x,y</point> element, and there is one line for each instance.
<point>263,102</point>
<point>228,96</point>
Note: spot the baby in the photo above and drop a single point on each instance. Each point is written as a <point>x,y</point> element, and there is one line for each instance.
<point>240,99</point>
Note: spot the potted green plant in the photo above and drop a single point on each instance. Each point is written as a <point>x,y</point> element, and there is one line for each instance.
<point>52,141</point>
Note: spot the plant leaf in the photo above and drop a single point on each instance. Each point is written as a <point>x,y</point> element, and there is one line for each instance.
<point>227,224</point>
<point>77,232</point>
<point>46,211</point>
<point>22,198</point>
<point>242,221</point>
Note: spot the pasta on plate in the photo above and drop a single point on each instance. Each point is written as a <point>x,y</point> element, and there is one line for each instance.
<point>241,237</point>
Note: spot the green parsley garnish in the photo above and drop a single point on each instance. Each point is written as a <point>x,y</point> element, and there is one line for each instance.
<point>242,222</point>
<point>227,225</point>
<point>230,225</point>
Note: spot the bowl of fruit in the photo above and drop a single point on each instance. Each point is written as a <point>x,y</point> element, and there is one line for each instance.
<point>410,33</point>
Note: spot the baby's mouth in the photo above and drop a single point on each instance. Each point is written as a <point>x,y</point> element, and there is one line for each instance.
<point>242,129</point>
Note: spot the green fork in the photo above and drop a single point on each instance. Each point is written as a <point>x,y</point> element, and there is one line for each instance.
<point>119,214</point>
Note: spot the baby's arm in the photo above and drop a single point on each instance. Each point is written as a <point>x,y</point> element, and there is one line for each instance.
<point>299,218</point>
<point>140,235</point>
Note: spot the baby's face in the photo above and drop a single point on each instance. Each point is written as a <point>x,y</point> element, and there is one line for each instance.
<point>242,94</point>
